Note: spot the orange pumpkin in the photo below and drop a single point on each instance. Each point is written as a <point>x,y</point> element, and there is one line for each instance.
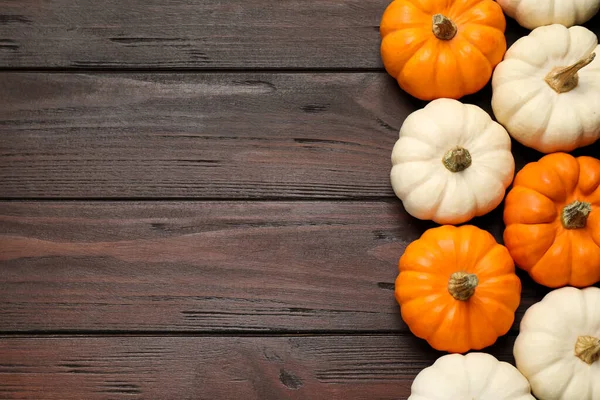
<point>457,288</point>
<point>552,217</point>
<point>442,48</point>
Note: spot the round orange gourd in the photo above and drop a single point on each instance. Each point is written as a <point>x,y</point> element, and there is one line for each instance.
<point>552,217</point>
<point>442,48</point>
<point>457,288</point>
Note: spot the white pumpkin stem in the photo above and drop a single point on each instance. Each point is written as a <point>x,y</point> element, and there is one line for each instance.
<point>574,216</point>
<point>457,159</point>
<point>564,79</point>
<point>461,285</point>
<point>443,28</point>
<point>587,348</point>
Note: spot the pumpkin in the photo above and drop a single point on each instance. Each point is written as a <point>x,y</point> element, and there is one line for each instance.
<point>472,376</point>
<point>451,162</point>
<point>534,13</point>
<point>558,346</point>
<point>552,217</point>
<point>546,92</point>
<point>457,288</point>
<point>442,48</point>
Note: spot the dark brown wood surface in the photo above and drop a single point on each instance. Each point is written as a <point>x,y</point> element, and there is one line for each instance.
<point>195,202</point>
<point>319,367</point>
<point>188,34</point>
<point>198,35</point>
<point>207,266</point>
<point>248,135</point>
<point>225,136</point>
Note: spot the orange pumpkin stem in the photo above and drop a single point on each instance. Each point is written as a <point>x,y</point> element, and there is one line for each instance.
<point>461,285</point>
<point>574,216</point>
<point>564,79</point>
<point>443,28</point>
<point>457,159</point>
<point>587,348</point>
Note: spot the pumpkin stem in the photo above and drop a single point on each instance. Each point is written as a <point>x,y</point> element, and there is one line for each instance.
<point>564,79</point>
<point>457,159</point>
<point>587,348</point>
<point>461,285</point>
<point>574,216</point>
<point>443,28</point>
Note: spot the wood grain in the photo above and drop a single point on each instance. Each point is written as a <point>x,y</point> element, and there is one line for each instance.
<point>207,368</point>
<point>203,136</point>
<point>207,266</point>
<point>187,34</point>
<point>207,136</point>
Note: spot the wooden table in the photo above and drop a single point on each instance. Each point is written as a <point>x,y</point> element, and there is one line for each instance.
<point>196,202</point>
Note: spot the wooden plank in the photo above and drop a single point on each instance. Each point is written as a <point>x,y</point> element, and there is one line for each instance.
<point>204,136</point>
<point>186,34</point>
<point>190,34</point>
<point>207,266</point>
<point>262,368</point>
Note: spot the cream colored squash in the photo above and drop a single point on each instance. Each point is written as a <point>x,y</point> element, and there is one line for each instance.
<point>477,376</point>
<point>451,162</point>
<point>546,92</point>
<point>535,13</point>
<point>558,346</point>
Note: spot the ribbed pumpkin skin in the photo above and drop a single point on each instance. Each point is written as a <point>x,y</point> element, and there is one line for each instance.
<point>534,234</point>
<point>550,336</point>
<point>473,376</point>
<point>428,67</point>
<point>427,306</point>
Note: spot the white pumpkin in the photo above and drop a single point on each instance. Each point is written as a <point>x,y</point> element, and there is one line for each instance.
<point>473,376</point>
<point>535,13</point>
<point>451,162</point>
<point>546,91</point>
<point>558,347</point>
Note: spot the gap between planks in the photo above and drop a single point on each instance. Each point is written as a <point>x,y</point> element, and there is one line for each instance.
<point>176,70</point>
<point>193,334</point>
<point>384,199</point>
